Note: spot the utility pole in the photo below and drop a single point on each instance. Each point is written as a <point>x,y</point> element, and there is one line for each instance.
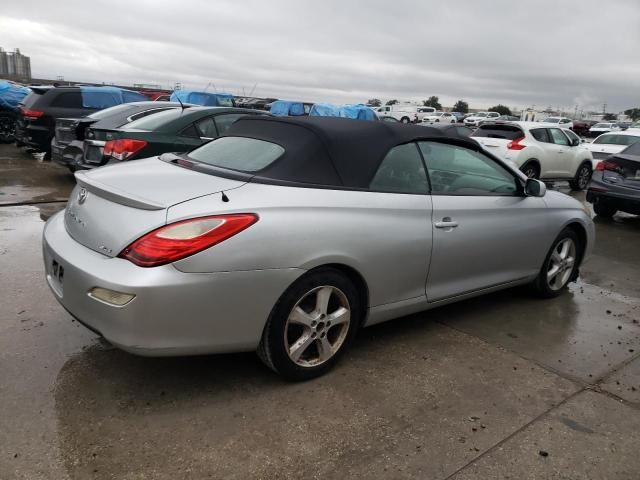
<point>575,112</point>
<point>604,109</point>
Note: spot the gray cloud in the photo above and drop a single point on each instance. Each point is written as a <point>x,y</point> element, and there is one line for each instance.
<point>542,52</point>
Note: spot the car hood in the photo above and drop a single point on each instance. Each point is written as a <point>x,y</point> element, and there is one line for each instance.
<point>152,182</point>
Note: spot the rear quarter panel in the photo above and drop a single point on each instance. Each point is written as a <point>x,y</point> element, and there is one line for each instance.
<point>385,237</point>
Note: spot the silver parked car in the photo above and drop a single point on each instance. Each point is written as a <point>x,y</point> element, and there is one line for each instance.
<point>286,236</point>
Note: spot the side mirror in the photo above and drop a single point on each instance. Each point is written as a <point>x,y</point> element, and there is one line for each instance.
<point>582,140</point>
<point>534,188</point>
<point>575,142</point>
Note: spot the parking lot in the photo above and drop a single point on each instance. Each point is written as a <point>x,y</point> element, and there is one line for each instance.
<point>502,386</point>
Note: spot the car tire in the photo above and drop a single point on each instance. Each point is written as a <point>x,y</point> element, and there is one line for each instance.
<point>604,208</point>
<point>531,169</point>
<point>303,316</point>
<point>7,127</point>
<point>560,265</point>
<point>405,120</point>
<point>582,178</point>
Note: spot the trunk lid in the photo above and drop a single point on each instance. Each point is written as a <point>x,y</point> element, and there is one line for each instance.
<point>112,206</point>
<point>627,173</point>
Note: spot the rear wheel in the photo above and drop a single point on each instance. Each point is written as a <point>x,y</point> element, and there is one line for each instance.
<point>604,208</point>
<point>405,120</point>
<point>7,127</point>
<point>531,170</point>
<point>560,265</point>
<point>582,178</point>
<point>311,325</point>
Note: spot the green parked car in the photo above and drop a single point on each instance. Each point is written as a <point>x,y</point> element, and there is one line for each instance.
<point>175,130</point>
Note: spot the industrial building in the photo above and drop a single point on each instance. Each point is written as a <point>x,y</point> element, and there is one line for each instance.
<point>14,65</point>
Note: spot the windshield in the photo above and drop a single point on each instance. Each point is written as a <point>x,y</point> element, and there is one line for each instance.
<point>481,114</point>
<point>436,114</point>
<point>602,125</point>
<point>617,139</point>
<point>238,153</point>
<point>152,122</point>
<point>551,120</point>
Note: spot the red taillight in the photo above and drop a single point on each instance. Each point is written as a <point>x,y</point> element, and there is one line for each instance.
<point>123,149</point>
<point>606,165</point>
<point>515,144</point>
<point>181,239</point>
<point>27,112</point>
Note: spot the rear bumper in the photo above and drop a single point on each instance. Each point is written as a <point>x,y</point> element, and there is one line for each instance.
<point>173,313</point>
<point>34,136</point>
<point>625,199</point>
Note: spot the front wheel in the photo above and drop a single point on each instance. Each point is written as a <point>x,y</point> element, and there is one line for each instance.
<point>405,120</point>
<point>582,178</point>
<point>311,325</point>
<point>560,265</point>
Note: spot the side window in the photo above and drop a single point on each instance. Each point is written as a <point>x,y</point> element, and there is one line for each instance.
<point>226,120</point>
<point>401,171</point>
<point>67,100</point>
<point>207,128</point>
<point>558,137</point>
<point>455,170</point>
<point>541,135</point>
<point>190,131</point>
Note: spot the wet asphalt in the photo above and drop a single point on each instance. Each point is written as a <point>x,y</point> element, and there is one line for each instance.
<point>503,386</point>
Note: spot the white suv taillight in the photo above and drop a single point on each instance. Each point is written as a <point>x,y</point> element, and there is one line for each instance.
<point>515,144</point>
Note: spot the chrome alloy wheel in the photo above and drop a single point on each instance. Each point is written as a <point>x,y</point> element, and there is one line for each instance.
<point>561,264</point>
<point>584,176</point>
<point>317,326</point>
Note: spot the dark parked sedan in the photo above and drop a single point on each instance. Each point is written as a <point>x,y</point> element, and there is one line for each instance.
<point>67,147</point>
<point>175,130</point>
<point>615,184</point>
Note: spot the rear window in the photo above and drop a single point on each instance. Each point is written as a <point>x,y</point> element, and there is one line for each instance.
<point>152,122</point>
<point>238,153</point>
<point>616,139</point>
<point>632,150</point>
<point>507,132</point>
<point>99,115</point>
<point>602,125</point>
<point>31,99</point>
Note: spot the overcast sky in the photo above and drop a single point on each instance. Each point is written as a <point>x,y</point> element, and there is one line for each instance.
<point>515,52</point>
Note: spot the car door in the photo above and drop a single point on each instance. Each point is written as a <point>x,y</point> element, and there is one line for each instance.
<point>402,208</point>
<point>563,153</point>
<point>485,231</point>
<point>550,163</point>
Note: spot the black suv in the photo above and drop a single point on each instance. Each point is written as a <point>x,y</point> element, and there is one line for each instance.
<point>35,125</point>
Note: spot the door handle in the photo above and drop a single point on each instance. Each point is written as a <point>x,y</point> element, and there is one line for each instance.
<point>446,223</point>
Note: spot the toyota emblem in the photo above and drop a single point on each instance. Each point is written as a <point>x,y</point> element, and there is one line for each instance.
<point>82,195</point>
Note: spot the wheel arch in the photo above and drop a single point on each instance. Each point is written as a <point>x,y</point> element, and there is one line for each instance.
<point>581,232</point>
<point>356,278</point>
<point>532,160</point>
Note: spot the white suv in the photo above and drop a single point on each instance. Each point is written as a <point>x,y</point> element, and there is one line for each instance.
<point>539,151</point>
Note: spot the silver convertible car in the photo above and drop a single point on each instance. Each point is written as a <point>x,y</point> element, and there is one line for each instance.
<point>287,235</point>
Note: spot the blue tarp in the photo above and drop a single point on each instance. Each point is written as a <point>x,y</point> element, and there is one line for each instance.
<point>324,110</point>
<point>284,108</point>
<point>11,94</point>
<point>105,97</point>
<point>207,99</point>
<point>360,112</point>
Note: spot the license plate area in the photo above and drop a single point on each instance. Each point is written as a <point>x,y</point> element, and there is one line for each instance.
<point>55,276</point>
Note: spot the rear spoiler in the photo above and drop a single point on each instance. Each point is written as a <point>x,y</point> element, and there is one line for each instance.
<point>114,195</point>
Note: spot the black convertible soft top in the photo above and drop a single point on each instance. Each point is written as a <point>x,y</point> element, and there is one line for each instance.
<point>332,151</point>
